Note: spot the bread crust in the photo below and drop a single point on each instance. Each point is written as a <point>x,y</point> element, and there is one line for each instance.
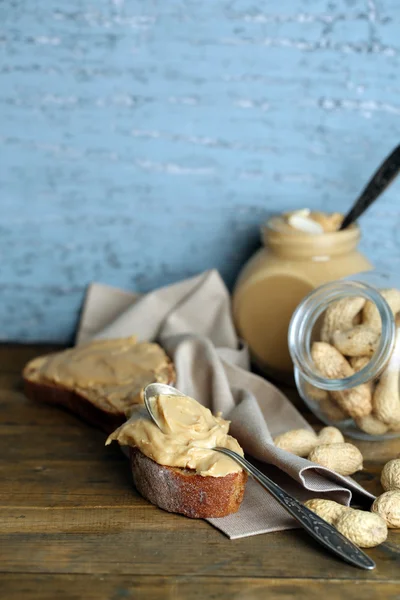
<point>185,492</point>
<point>75,403</point>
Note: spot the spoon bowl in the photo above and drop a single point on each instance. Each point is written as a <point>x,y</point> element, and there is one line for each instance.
<point>157,389</point>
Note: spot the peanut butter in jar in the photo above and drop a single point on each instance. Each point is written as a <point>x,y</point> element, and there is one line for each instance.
<point>301,250</point>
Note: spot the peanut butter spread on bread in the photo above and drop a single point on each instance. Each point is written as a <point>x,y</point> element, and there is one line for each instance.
<point>110,373</point>
<point>189,432</point>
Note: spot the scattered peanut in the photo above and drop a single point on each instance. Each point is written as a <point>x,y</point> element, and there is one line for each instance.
<point>343,458</point>
<point>370,424</point>
<point>358,341</point>
<point>330,435</point>
<point>340,316</point>
<point>365,529</point>
<point>362,528</point>
<point>297,441</point>
<point>370,315</point>
<point>388,507</point>
<point>355,401</point>
<point>390,476</point>
<point>302,441</point>
<point>326,509</point>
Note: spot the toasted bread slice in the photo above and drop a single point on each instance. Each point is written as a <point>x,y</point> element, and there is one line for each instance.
<point>184,491</point>
<point>100,381</point>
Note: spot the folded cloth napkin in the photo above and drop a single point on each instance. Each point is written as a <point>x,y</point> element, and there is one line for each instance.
<point>192,321</point>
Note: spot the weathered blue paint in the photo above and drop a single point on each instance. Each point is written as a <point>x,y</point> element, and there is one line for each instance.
<point>143,141</point>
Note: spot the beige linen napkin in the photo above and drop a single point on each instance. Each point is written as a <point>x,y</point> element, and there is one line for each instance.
<point>192,320</point>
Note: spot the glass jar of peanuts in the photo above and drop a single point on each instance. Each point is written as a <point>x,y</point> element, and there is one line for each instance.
<point>301,250</point>
<point>344,340</point>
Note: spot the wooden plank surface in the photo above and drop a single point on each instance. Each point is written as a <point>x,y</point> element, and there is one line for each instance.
<point>119,118</point>
<point>72,525</point>
<point>95,587</point>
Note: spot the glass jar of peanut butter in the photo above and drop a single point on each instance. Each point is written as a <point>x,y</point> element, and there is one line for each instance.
<point>301,250</point>
<point>344,340</point>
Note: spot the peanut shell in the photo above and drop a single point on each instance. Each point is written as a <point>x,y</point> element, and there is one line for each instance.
<point>370,314</point>
<point>356,401</point>
<point>297,441</point>
<point>388,507</point>
<point>340,315</point>
<point>358,362</point>
<point>330,435</point>
<point>370,424</point>
<point>390,476</point>
<point>343,458</point>
<point>315,393</point>
<point>331,410</point>
<point>386,400</point>
<point>363,528</point>
<point>328,510</point>
<point>358,341</point>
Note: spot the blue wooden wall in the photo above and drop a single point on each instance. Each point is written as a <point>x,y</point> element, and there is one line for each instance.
<point>142,141</point>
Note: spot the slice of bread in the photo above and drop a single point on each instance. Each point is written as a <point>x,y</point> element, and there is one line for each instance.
<point>184,491</point>
<point>101,404</point>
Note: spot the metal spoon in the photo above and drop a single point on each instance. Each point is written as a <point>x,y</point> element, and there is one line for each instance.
<point>318,528</point>
<point>381,179</point>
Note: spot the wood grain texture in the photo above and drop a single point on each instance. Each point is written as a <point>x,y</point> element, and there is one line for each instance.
<point>121,122</point>
<point>95,587</point>
<point>72,526</point>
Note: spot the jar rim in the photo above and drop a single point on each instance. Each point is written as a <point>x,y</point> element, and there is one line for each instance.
<point>291,233</point>
<point>298,242</point>
<point>305,317</point>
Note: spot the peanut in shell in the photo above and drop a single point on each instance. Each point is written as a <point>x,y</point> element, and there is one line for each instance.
<point>297,441</point>
<point>341,316</point>
<point>362,528</point>
<point>342,458</point>
<point>330,435</point>
<point>390,476</point>
<point>356,401</point>
<point>328,510</point>
<point>388,507</point>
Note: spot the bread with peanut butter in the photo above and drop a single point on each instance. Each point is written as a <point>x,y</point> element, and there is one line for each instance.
<point>175,466</point>
<point>99,381</point>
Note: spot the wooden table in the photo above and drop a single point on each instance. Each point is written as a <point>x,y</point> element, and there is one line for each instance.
<point>72,525</point>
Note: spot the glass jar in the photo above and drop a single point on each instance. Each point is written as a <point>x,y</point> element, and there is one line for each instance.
<point>277,277</point>
<point>344,341</point>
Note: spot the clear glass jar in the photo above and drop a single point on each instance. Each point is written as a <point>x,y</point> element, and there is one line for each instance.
<point>362,403</point>
<point>290,264</point>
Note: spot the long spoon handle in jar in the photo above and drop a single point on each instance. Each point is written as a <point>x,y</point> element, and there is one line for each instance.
<point>381,179</point>
<point>318,528</point>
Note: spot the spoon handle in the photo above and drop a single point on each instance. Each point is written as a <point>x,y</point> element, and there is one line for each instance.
<point>381,179</point>
<point>318,528</point>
